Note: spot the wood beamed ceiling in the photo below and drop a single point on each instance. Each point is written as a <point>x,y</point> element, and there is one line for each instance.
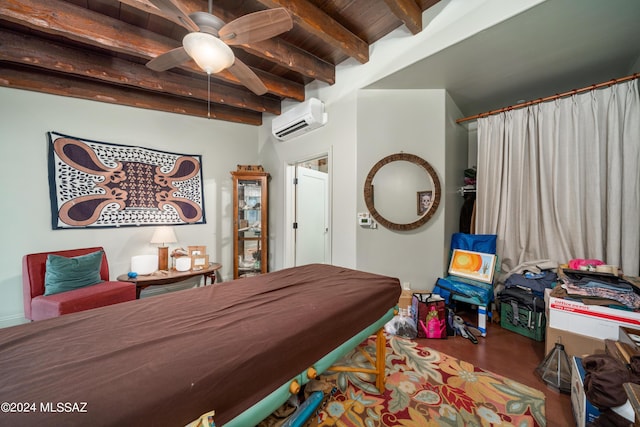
<point>97,49</point>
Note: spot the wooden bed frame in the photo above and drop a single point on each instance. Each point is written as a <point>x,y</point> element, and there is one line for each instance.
<point>166,360</point>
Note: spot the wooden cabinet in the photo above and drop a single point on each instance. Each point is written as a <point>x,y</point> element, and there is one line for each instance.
<point>250,222</point>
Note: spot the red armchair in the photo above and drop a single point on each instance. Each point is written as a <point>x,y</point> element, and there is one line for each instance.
<point>38,306</point>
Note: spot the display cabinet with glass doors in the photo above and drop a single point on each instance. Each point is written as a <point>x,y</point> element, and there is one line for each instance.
<point>250,208</point>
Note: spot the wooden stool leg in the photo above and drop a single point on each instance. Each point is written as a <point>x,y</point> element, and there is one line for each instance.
<point>379,365</point>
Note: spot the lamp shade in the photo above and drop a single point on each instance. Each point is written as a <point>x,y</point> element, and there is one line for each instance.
<point>210,53</point>
<point>163,235</point>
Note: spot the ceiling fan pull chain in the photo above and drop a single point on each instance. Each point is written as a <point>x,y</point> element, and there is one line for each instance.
<point>209,93</point>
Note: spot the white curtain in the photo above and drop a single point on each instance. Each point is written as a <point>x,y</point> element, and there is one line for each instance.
<point>561,180</point>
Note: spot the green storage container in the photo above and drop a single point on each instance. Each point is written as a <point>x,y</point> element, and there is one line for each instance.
<point>528,323</point>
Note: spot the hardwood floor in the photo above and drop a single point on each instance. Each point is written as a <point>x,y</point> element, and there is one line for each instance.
<point>511,355</point>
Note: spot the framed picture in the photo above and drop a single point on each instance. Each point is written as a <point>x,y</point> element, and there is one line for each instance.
<point>197,250</point>
<point>424,201</point>
<point>199,262</point>
<point>472,265</point>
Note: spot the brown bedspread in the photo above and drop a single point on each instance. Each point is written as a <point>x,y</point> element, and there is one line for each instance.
<point>166,360</point>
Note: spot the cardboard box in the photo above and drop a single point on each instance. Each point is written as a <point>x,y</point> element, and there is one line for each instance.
<point>574,344</point>
<point>405,298</point>
<point>630,336</point>
<point>547,297</point>
<point>583,411</point>
<point>590,320</point>
<point>626,347</point>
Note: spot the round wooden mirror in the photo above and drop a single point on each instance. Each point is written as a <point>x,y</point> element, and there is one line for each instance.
<point>405,197</point>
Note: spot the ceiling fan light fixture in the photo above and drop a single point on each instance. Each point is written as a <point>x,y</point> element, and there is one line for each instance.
<point>209,52</point>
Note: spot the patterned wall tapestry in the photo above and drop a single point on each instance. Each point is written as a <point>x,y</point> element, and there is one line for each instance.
<point>97,184</point>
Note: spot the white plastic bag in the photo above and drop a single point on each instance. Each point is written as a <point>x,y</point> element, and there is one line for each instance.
<point>401,325</point>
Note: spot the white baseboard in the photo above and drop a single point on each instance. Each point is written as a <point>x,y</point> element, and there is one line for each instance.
<point>16,319</point>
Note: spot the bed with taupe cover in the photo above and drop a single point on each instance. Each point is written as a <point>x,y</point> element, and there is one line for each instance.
<point>233,348</point>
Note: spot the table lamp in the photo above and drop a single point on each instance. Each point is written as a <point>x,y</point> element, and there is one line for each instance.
<point>161,236</point>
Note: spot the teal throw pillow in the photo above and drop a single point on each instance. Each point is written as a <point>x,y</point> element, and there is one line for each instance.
<point>65,274</point>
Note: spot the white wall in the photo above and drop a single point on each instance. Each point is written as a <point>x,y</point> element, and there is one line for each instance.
<point>364,127</point>
<point>420,122</point>
<point>25,222</point>
<point>635,68</point>
<point>337,139</point>
<point>413,122</point>
<point>456,155</point>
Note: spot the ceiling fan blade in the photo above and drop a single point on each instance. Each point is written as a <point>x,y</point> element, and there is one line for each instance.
<point>247,77</point>
<point>256,26</point>
<point>176,14</point>
<point>170,59</point>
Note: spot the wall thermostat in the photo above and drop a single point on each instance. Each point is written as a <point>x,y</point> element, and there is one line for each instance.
<point>364,218</point>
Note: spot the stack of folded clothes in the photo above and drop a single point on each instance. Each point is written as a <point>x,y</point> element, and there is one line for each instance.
<point>594,288</point>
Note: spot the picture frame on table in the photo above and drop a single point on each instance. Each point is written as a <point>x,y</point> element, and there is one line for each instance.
<point>197,250</point>
<point>199,262</point>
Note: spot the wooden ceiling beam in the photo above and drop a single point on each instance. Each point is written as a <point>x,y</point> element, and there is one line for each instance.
<point>76,23</point>
<point>321,25</point>
<point>28,50</point>
<point>19,77</point>
<point>408,12</point>
<point>284,54</point>
<point>274,50</point>
<point>305,64</point>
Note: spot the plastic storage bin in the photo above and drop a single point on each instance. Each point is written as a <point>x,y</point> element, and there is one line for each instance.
<point>528,323</point>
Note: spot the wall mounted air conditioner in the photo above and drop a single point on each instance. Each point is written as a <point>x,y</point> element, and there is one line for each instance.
<point>300,119</point>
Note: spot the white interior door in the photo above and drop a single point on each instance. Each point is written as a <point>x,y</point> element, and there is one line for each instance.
<point>312,217</point>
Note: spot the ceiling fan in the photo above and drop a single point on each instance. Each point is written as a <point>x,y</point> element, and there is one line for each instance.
<point>209,38</point>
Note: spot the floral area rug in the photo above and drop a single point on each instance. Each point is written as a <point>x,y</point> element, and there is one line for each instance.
<point>426,388</point>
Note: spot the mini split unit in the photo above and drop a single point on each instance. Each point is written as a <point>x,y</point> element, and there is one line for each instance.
<point>300,119</point>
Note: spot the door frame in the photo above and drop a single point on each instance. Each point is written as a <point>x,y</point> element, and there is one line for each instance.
<point>289,258</point>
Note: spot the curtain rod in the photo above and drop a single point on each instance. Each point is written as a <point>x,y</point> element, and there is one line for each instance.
<point>550,98</point>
